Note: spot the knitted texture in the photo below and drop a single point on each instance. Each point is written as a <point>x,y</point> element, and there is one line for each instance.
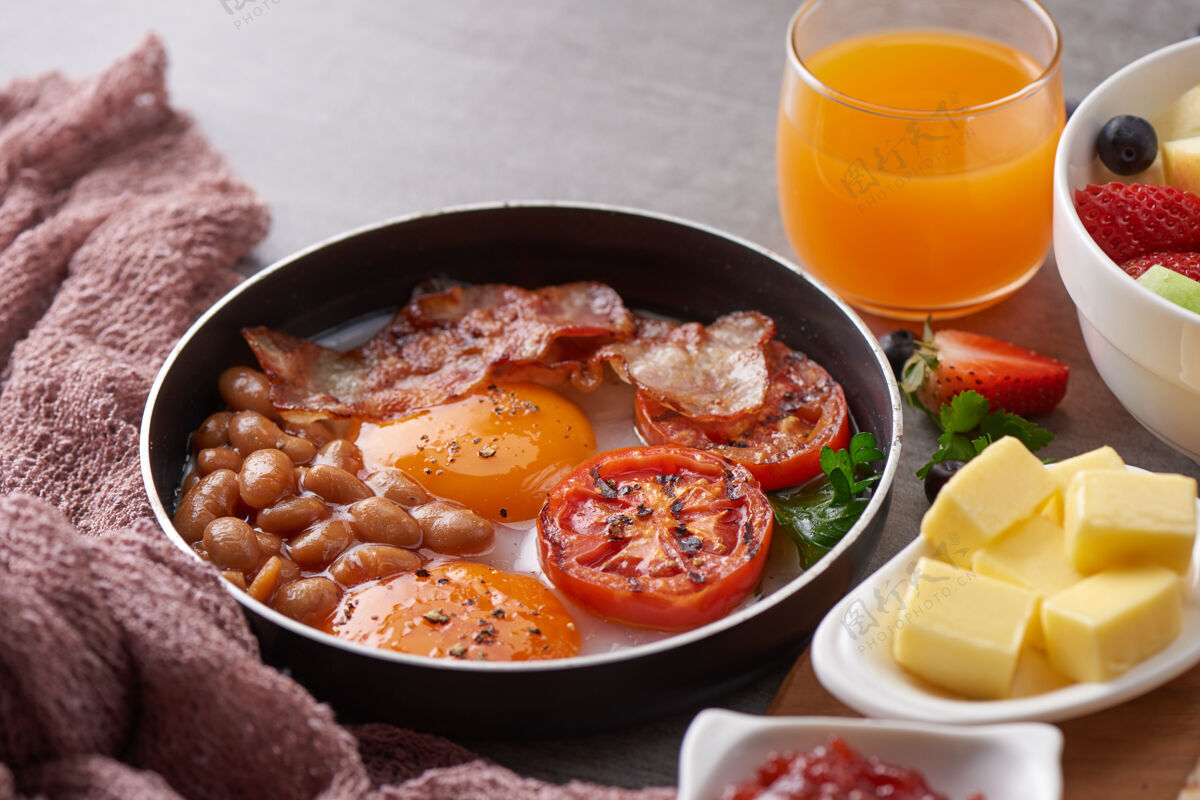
<point>126,669</point>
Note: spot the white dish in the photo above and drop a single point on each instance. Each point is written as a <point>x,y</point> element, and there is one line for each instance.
<point>852,658</point>
<point>1004,762</point>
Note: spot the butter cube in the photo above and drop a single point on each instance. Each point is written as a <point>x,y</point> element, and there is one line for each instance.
<point>1116,518</point>
<point>962,631</point>
<point>1063,471</point>
<point>1105,624</point>
<point>1031,555</point>
<point>1052,509</point>
<point>997,489</point>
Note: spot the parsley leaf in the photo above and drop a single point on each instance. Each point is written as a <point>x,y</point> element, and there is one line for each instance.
<point>817,519</point>
<point>1002,423</point>
<point>969,426</point>
<point>964,412</point>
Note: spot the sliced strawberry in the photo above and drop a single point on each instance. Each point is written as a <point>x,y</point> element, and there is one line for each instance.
<point>1186,264</point>
<point>1129,220</point>
<point>1010,377</point>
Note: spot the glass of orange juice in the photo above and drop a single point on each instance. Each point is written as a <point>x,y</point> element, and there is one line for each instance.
<point>915,147</point>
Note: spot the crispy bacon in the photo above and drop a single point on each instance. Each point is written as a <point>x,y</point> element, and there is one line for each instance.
<point>717,372</point>
<point>446,345</point>
<point>584,308</point>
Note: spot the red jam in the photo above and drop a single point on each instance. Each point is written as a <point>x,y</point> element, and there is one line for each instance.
<point>834,772</point>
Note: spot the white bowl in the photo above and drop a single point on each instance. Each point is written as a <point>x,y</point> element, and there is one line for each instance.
<point>1004,762</point>
<point>1146,348</point>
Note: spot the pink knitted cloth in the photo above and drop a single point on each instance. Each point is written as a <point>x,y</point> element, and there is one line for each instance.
<point>126,670</point>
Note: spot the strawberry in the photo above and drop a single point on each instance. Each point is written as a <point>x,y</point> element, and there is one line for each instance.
<point>1129,220</point>
<point>1186,264</point>
<point>1018,380</point>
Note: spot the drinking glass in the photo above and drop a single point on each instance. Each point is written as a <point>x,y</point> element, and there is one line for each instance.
<point>915,148</point>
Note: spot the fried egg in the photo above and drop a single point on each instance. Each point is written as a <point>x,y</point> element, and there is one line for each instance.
<point>498,452</point>
<point>458,609</point>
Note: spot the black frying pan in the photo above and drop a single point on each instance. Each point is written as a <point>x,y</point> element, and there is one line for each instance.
<point>655,263</point>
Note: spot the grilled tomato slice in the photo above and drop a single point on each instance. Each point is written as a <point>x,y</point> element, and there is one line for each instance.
<point>660,537</point>
<point>805,410</point>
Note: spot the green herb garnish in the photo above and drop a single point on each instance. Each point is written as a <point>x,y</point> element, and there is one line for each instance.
<point>969,426</point>
<point>817,519</point>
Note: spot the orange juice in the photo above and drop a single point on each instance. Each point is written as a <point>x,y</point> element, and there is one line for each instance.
<point>916,179</point>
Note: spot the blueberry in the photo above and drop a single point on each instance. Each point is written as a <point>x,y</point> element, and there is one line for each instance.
<point>938,474</point>
<point>898,346</point>
<point>1127,144</point>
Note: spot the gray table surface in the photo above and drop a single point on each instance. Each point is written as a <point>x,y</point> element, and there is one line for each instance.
<point>344,113</point>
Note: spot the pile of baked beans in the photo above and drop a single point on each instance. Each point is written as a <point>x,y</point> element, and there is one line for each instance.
<point>288,513</point>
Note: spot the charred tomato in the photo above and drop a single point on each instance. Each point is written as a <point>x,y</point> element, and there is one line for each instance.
<point>660,537</point>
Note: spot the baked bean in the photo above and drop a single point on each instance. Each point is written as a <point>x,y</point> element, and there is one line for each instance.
<point>245,389</point>
<point>314,432</point>
<point>292,515</point>
<point>250,431</point>
<point>298,449</point>
<point>213,458</point>
<point>235,577</point>
<point>334,484</point>
<point>231,544</point>
<point>338,428</point>
<point>266,476</point>
<point>396,486</point>
<point>453,530</point>
<point>268,543</point>
<point>378,519</point>
<point>321,543</point>
<point>288,570</point>
<point>342,453</point>
<point>266,581</point>
<point>189,480</point>
<point>215,495</point>
<point>308,600</point>
<point>274,573</point>
<point>371,562</point>
<point>213,432</point>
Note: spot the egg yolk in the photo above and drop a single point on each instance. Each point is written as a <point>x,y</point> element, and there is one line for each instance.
<point>498,452</point>
<point>458,610</point>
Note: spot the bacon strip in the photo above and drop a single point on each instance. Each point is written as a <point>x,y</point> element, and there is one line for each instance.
<point>446,345</point>
<point>709,373</point>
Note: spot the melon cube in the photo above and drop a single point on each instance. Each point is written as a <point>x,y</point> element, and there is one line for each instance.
<point>997,489</point>
<point>1111,621</point>
<point>1031,555</point>
<point>1170,285</point>
<point>1181,163</point>
<point>1115,518</point>
<point>962,631</point>
<point>1181,118</point>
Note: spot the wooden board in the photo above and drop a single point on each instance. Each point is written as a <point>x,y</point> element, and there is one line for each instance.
<point>1143,749</point>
